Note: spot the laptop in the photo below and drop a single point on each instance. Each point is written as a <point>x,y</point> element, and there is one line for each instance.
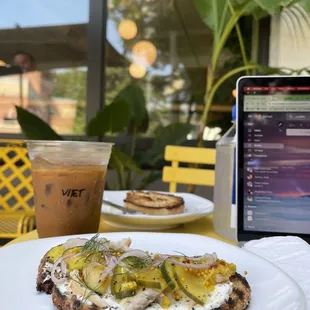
<point>273,157</point>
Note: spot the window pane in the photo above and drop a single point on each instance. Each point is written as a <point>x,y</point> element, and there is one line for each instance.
<point>168,47</point>
<point>48,41</point>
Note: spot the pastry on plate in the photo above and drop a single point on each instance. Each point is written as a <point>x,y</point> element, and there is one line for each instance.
<point>100,274</point>
<point>154,203</point>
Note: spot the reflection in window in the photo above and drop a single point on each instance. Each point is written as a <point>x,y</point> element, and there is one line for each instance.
<point>48,41</point>
<point>168,48</point>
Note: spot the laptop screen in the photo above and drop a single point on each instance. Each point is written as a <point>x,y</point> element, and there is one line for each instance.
<point>276,159</point>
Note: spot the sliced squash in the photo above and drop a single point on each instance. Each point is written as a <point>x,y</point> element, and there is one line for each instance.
<point>74,250</point>
<point>92,277</point>
<point>54,253</point>
<point>82,259</point>
<point>152,278</point>
<point>191,285</point>
<point>167,271</point>
<point>122,283</point>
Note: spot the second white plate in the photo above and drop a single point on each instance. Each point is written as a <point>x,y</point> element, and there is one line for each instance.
<point>195,208</point>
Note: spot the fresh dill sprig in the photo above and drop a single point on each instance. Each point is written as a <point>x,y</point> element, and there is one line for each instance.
<point>88,291</point>
<point>181,253</point>
<point>85,297</point>
<point>138,262</point>
<point>94,245</point>
<point>79,281</point>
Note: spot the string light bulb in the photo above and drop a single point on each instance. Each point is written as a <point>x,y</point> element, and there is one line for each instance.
<point>137,71</point>
<point>144,52</point>
<point>127,29</point>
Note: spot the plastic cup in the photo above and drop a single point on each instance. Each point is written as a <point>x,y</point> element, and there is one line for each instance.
<point>68,182</point>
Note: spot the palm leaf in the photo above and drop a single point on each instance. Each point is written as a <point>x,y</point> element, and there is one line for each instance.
<point>33,127</point>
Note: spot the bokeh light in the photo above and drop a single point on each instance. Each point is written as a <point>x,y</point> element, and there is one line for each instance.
<point>137,71</point>
<point>144,52</point>
<point>127,29</point>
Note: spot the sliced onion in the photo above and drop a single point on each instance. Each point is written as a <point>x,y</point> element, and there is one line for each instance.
<point>214,256</point>
<point>109,259</point>
<point>104,244</point>
<point>92,297</point>
<point>74,242</point>
<point>204,257</point>
<point>158,261</point>
<point>135,253</point>
<point>191,258</point>
<point>63,269</point>
<point>113,261</point>
<point>88,269</point>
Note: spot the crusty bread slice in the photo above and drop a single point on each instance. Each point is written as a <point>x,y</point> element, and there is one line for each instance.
<point>239,299</point>
<point>154,203</point>
<point>70,302</point>
<point>44,281</point>
<point>155,211</point>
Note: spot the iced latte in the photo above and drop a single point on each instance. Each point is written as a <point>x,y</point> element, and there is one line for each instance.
<point>68,187</point>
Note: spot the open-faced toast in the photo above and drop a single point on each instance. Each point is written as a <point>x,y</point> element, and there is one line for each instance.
<point>154,203</point>
<point>110,275</point>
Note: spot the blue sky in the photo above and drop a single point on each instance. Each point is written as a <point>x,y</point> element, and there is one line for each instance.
<point>32,13</point>
<point>36,13</point>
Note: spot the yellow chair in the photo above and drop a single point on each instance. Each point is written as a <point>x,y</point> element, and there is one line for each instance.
<point>16,193</point>
<point>186,175</point>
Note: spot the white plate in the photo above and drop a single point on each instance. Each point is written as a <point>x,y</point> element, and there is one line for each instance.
<point>195,208</point>
<point>272,289</point>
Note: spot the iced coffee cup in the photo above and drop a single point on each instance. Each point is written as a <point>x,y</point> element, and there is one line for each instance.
<point>68,182</point>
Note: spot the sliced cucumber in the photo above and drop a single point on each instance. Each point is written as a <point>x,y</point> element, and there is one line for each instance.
<point>74,250</point>
<point>122,283</point>
<point>167,271</point>
<point>54,253</point>
<point>92,279</point>
<point>151,279</point>
<point>82,259</point>
<point>191,285</point>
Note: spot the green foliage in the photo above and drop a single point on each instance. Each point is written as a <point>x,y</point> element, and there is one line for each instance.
<point>126,111</point>
<point>117,79</point>
<point>150,178</point>
<point>173,134</point>
<point>79,120</point>
<point>111,118</point>
<point>33,127</point>
<point>305,4</point>
<point>222,21</point>
<point>215,14</point>
<point>122,162</point>
<point>133,95</point>
<point>70,84</point>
